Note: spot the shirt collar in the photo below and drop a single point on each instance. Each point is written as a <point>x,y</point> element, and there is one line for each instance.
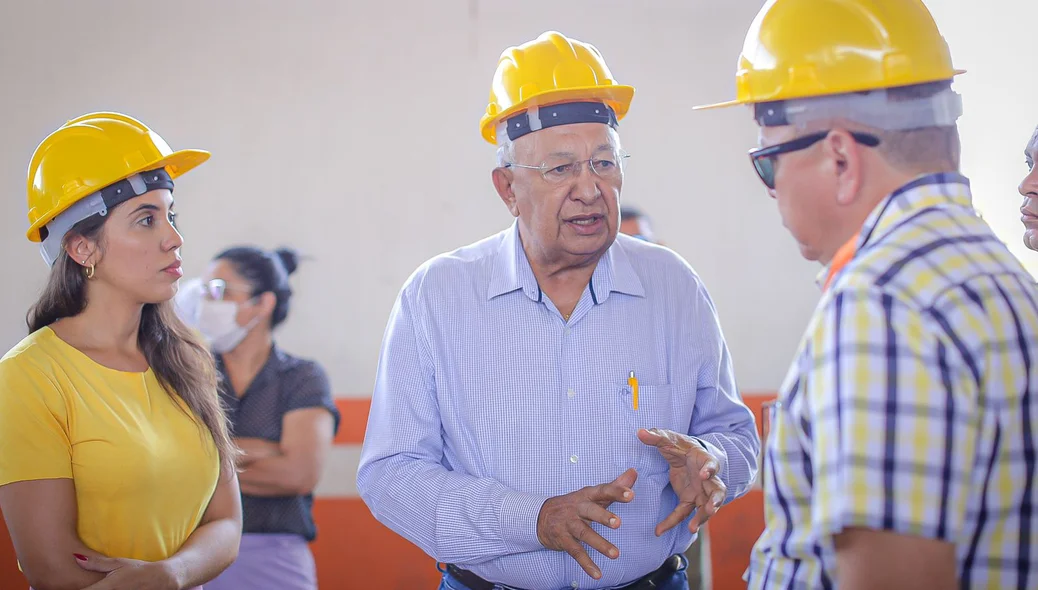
<point>929,190</point>
<point>926,191</point>
<point>512,271</point>
<point>616,273</point>
<point>821,275</point>
<point>271,367</point>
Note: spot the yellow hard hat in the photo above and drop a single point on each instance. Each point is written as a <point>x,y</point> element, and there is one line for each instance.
<point>805,48</point>
<point>90,153</point>
<point>548,70</point>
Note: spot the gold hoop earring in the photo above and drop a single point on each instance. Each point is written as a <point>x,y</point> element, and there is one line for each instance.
<point>90,271</point>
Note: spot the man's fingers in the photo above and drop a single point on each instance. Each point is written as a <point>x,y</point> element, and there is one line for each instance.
<point>594,512</point>
<point>679,514</point>
<point>661,439</point>
<point>708,503</point>
<point>586,535</point>
<point>576,551</point>
<point>698,520</point>
<point>709,469</point>
<point>649,437</point>
<point>627,478</point>
<point>607,493</point>
<point>703,514</point>
<point>715,491</point>
<point>675,448</point>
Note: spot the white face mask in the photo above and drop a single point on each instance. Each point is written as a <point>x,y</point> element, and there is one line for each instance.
<point>217,320</point>
<point>187,300</point>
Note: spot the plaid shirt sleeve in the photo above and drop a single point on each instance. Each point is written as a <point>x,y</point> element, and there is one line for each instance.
<point>892,403</point>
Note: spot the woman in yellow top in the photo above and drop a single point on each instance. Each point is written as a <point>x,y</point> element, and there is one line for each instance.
<point>115,462</point>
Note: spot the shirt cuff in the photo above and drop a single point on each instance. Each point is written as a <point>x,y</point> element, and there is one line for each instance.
<point>518,521</point>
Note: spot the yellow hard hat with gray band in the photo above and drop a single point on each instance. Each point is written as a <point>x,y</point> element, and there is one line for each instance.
<point>797,49</point>
<point>554,71</point>
<point>91,164</point>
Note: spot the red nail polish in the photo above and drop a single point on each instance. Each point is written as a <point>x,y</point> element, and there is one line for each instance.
<point>80,557</point>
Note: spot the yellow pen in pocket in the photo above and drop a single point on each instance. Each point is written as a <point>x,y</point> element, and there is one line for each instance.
<point>633,382</point>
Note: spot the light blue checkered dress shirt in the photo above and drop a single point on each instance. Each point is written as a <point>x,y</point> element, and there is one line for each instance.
<point>487,402</point>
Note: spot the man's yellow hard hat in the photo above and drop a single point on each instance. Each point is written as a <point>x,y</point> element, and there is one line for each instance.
<point>806,48</point>
<point>548,70</point>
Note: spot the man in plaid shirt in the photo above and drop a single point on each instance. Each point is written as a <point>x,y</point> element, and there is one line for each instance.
<point>902,452</point>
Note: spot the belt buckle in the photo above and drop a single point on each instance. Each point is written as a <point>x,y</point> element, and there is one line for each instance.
<point>672,565</point>
<point>682,562</point>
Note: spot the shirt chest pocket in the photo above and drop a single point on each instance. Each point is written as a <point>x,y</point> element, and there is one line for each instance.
<point>668,407</point>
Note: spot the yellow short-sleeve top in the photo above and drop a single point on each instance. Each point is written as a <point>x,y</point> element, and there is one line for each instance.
<point>144,469</point>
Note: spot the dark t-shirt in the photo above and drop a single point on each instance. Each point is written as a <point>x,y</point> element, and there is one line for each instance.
<point>285,383</point>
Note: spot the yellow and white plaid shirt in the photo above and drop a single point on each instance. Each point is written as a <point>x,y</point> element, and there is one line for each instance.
<point>912,404</point>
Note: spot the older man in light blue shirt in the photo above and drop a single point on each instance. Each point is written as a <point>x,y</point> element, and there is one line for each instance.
<point>519,375</point>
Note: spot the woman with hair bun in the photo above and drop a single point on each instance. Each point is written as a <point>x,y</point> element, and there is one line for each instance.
<point>281,412</point>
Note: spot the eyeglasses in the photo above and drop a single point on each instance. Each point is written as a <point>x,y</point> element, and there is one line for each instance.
<point>764,158</point>
<point>605,165</point>
<point>215,289</point>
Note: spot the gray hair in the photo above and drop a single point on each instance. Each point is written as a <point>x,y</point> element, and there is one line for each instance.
<point>505,146</point>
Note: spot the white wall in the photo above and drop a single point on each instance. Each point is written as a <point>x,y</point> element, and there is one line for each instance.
<point>995,41</point>
<point>349,130</point>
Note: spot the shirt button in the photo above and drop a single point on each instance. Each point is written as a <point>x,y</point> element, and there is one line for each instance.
<point>571,393</point>
<point>574,584</point>
<point>573,459</point>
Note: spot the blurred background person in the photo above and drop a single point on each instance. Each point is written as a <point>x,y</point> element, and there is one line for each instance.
<point>281,412</point>
<point>634,222</point>
<point>104,476</point>
<point>1029,191</point>
<point>186,301</point>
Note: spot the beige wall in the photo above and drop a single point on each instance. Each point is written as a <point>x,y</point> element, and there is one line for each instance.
<point>995,41</point>
<point>349,130</point>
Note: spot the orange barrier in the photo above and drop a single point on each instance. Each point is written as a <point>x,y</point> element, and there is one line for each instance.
<point>354,413</point>
<point>353,551</point>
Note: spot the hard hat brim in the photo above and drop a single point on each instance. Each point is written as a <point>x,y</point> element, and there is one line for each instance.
<point>180,161</point>
<point>176,164</point>
<point>737,102</point>
<point>719,105</point>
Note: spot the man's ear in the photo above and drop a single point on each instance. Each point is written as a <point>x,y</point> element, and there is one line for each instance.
<point>81,250</point>
<point>847,164</point>
<point>503,178</point>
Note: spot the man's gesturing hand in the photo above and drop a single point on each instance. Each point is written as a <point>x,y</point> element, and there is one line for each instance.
<point>693,475</point>
<point>564,522</point>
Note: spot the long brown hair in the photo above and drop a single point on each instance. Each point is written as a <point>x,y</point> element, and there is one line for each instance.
<point>179,359</point>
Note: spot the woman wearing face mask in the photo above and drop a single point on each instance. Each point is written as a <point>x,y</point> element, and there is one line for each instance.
<point>116,468</point>
<point>282,416</point>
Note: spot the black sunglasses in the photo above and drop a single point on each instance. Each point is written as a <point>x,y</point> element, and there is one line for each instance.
<point>764,158</point>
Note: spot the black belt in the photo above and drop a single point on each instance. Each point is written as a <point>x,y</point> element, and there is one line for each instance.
<point>653,579</point>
